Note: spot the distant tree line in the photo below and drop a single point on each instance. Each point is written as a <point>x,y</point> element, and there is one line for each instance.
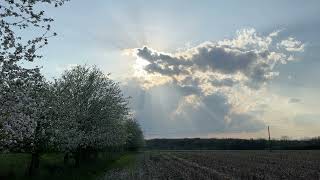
<point>79,114</point>
<point>232,144</point>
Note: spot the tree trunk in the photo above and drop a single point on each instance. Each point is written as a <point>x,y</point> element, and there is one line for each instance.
<point>34,164</point>
<point>77,159</point>
<point>66,158</point>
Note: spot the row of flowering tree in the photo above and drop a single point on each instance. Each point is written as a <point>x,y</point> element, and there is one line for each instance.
<point>82,111</point>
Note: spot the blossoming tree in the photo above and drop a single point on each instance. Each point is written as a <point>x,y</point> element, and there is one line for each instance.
<point>91,111</point>
<point>21,89</point>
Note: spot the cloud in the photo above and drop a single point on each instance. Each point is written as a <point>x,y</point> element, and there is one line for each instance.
<point>249,56</point>
<point>294,100</point>
<point>213,87</point>
<point>167,111</point>
<point>244,122</point>
<point>213,113</point>
<point>292,45</point>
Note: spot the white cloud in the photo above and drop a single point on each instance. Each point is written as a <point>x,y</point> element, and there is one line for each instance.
<point>220,83</point>
<point>292,45</point>
<point>249,56</point>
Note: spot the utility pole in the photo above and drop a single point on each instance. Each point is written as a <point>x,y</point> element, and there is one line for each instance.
<point>269,139</point>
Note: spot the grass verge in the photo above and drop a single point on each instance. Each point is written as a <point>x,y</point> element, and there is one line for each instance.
<point>14,166</point>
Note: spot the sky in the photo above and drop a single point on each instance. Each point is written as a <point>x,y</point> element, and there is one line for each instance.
<point>200,68</point>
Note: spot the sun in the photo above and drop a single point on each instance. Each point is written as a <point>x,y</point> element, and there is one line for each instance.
<point>139,66</point>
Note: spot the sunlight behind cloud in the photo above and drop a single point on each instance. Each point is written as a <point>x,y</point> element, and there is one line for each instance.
<point>139,66</point>
<point>222,82</point>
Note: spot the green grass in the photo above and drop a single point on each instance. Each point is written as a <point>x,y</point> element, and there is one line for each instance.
<point>127,160</point>
<point>14,166</point>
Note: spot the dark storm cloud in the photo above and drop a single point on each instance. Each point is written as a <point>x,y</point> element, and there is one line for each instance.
<point>212,58</point>
<point>249,54</point>
<point>222,59</point>
<point>162,63</point>
<point>209,57</point>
